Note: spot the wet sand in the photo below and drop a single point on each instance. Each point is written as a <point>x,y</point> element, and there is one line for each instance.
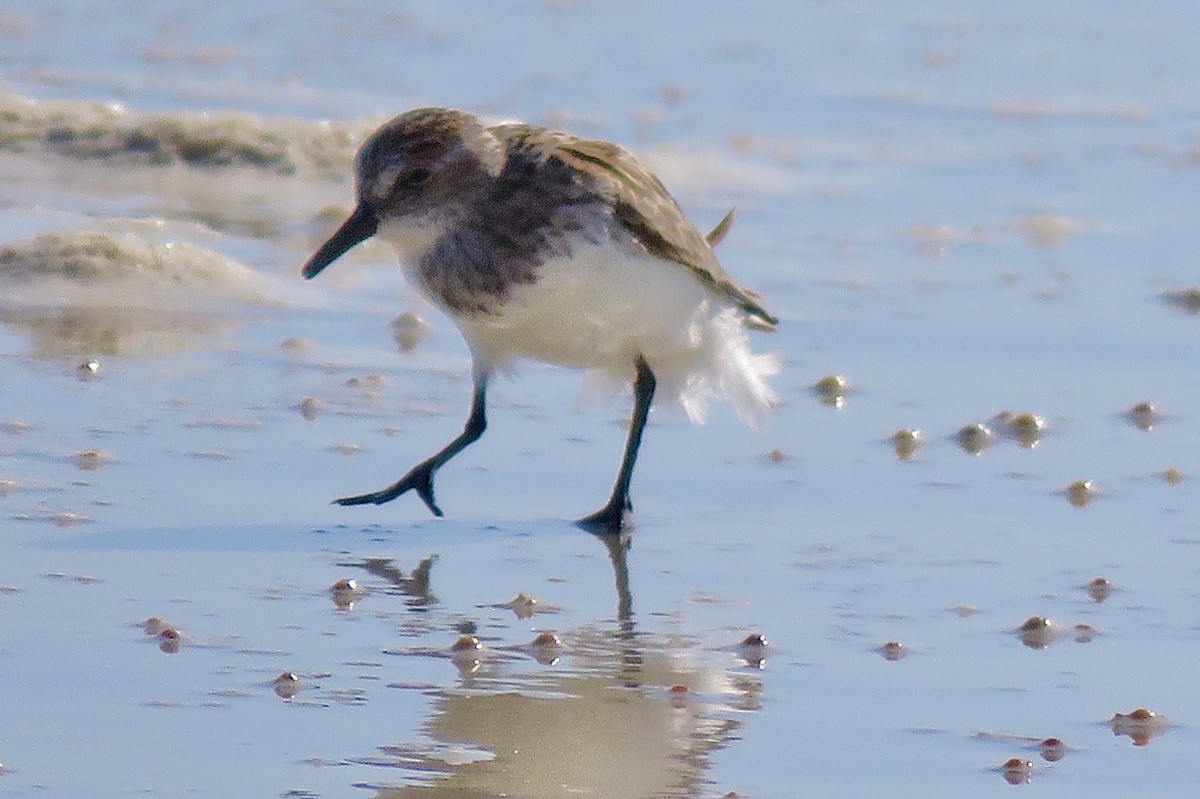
<point>976,227</point>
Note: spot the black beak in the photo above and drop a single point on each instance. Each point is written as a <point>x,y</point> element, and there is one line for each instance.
<point>361,225</point>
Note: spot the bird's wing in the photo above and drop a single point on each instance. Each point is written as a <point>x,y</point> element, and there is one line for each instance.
<point>644,207</point>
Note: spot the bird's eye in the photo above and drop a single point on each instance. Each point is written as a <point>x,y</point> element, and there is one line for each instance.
<point>413,178</point>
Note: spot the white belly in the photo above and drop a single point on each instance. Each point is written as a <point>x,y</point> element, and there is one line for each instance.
<point>601,309</point>
<point>596,310</point>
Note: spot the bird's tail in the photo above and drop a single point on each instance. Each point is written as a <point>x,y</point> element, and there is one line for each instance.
<point>729,369</point>
<point>715,362</point>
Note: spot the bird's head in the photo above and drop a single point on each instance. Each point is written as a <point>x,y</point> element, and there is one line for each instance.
<point>429,164</point>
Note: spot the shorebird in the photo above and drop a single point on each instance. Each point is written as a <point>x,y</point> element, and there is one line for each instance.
<point>547,246</point>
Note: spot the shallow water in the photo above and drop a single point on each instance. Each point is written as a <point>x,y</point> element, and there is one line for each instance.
<point>962,210</point>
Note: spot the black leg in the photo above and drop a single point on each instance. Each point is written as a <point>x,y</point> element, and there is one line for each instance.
<point>610,517</point>
<point>421,475</point>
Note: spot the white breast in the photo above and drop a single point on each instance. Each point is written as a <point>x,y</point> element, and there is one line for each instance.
<point>412,238</point>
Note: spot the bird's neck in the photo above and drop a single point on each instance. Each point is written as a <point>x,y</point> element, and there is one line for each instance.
<point>413,237</point>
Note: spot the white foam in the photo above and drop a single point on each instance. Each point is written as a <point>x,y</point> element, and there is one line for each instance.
<point>96,268</point>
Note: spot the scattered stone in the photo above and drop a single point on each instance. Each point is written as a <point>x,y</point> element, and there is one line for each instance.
<point>832,390</point>
<point>286,685</point>
<point>906,442</point>
<point>1081,493</point>
<point>310,408</point>
<point>974,438</point>
<point>409,330</point>
<point>1099,589</point>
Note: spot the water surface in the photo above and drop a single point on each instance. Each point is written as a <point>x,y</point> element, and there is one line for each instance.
<point>962,210</point>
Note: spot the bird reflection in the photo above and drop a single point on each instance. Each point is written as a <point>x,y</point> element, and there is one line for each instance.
<point>618,714</point>
<point>618,545</point>
<point>415,586</point>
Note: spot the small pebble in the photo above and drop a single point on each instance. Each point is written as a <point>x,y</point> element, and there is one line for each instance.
<point>1187,300</point>
<point>69,519</point>
<point>1017,771</point>
<point>893,650</point>
<point>1037,632</point>
<point>1084,633</point>
<point>89,368</point>
<point>1047,230</point>
<point>547,648</point>
<point>466,654</point>
<point>524,606</point>
<point>776,456</point>
<point>755,640</point>
<point>409,330</point>
<point>1052,750</point>
<point>546,639</point>
<point>1099,589</point>
<point>286,685</point>
<point>154,625</point>
<point>1144,416</point>
<point>1081,493</point>
<point>467,643</point>
<point>345,593</point>
<point>753,650</point>
<point>1140,725</point>
<point>832,390</point>
<point>1172,476</point>
<point>974,438</point>
<point>91,460</point>
<point>906,442</point>
<point>1027,429</point>
<point>310,408</point>
<point>169,640</point>
<point>1140,715</point>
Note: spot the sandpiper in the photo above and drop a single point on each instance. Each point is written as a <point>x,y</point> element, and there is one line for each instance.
<point>543,245</point>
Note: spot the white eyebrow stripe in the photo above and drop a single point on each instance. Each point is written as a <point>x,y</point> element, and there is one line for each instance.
<point>380,184</point>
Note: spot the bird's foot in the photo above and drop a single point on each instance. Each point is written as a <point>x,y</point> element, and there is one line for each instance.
<point>612,518</point>
<point>419,479</point>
